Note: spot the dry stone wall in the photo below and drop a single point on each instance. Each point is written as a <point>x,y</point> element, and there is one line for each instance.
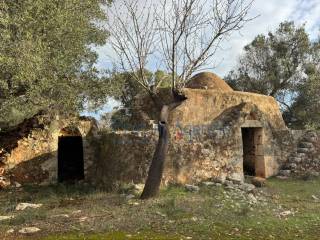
<point>32,158</point>
<point>305,158</point>
<point>122,157</point>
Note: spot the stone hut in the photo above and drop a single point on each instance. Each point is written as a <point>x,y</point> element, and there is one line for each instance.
<point>215,133</point>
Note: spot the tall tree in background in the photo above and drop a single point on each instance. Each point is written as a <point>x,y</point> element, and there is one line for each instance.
<point>274,64</point>
<point>305,109</point>
<point>46,57</point>
<point>178,36</point>
<point>285,65</point>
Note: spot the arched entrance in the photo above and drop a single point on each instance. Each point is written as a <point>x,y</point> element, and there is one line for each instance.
<point>70,155</point>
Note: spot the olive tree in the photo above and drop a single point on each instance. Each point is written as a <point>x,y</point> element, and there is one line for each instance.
<point>46,56</point>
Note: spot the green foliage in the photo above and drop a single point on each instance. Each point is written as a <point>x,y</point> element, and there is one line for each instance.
<point>284,64</point>
<point>46,57</point>
<point>305,111</point>
<point>124,88</point>
<point>121,120</point>
<point>271,64</point>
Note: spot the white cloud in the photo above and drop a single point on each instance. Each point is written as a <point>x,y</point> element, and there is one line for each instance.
<point>270,14</point>
<point>307,12</point>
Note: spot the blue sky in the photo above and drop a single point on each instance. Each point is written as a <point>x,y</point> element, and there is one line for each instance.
<point>271,13</point>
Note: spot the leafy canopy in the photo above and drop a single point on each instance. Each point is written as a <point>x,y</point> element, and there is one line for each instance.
<point>46,56</point>
<point>284,64</point>
<point>272,64</point>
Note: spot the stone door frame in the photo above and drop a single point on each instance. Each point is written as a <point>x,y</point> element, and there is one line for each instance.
<point>259,141</point>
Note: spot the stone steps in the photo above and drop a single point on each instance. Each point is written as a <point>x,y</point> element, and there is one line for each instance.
<point>301,160</point>
<point>306,144</point>
<point>305,150</point>
<point>295,159</point>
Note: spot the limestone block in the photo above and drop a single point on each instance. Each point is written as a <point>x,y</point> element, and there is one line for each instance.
<point>306,145</point>
<point>259,150</point>
<point>272,165</point>
<point>260,166</point>
<point>285,173</point>
<point>295,159</point>
<point>305,150</point>
<point>236,177</point>
<point>301,155</point>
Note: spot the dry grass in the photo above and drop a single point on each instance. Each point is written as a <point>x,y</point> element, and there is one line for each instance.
<point>82,212</point>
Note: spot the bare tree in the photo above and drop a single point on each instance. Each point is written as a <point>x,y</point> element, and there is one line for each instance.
<point>133,36</point>
<point>191,32</point>
<point>181,36</point>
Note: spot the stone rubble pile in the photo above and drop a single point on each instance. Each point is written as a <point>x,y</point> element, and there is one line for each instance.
<point>306,160</point>
<point>249,192</point>
<point>243,191</point>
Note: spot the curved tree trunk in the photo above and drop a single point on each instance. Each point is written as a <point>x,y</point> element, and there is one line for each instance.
<point>153,181</point>
<point>151,188</point>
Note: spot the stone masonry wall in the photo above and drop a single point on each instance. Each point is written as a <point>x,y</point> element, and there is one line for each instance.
<point>228,148</point>
<point>196,152</point>
<point>304,158</point>
<point>205,143</point>
<point>123,157</point>
<point>206,140</point>
<point>33,158</point>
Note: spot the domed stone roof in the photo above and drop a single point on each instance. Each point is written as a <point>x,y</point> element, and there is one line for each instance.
<point>208,80</point>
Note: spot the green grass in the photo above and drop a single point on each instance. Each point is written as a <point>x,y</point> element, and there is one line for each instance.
<point>114,236</point>
<point>212,213</point>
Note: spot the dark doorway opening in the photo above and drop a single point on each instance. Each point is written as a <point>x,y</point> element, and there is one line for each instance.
<point>251,141</point>
<point>70,159</point>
